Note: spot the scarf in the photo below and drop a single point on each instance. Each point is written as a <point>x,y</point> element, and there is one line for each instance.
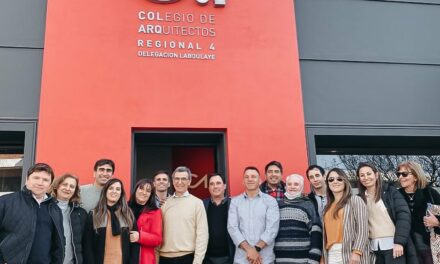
<point>116,226</point>
<point>294,196</point>
<point>136,208</point>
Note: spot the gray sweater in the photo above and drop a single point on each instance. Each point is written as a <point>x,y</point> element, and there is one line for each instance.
<point>65,209</point>
<point>89,196</point>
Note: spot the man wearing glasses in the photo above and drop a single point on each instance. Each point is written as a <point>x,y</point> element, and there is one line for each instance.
<point>185,226</point>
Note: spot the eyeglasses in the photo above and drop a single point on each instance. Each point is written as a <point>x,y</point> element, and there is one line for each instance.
<point>177,179</point>
<point>403,174</point>
<point>331,179</point>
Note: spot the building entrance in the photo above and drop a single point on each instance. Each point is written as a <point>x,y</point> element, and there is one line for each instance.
<point>202,152</point>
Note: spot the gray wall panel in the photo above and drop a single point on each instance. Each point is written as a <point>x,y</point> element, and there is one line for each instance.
<point>22,23</point>
<point>356,30</point>
<point>20,82</point>
<point>370,93</point>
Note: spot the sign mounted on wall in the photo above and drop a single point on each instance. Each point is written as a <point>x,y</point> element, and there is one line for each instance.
<point>178,35</point>
<point>217,3</point>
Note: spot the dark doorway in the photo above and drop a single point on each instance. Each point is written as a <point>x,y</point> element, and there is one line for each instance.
<point>11,160</point>
<point>202,152</point>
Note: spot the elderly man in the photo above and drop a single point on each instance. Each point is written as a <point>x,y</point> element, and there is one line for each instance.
<point>185,227</point>
<point>253,222</point>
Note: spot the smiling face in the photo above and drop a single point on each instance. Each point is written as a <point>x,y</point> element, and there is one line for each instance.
<point>216,186</point>
<point>161,182</point>
<point>367,177</point>
<point>273,175</point>
<point>335,182</point>
<point>406,178</point>
<point>143,193</point>
<point>251,180</point>
<point>102,174</point>
<point>293,186</point>
<point>181,182</point>
<point>39,183</point>
<point>66,189</point>
<point>113,194</point>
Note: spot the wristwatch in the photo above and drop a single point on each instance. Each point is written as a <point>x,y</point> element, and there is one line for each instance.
<point>258,248</point>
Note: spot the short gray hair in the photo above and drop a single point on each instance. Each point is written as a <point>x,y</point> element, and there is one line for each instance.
<point>296,176</point>
<point>182,169</point>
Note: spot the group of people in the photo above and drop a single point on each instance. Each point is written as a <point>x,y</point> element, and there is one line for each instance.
<point>58,221</point>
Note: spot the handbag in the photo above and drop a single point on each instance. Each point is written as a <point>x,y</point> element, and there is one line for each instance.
<point>434,237</point>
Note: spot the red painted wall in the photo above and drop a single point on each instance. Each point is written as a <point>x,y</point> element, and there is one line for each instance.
<point>95,89</point>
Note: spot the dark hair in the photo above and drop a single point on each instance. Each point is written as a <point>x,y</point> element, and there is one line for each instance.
<point>273,163</point>
<point>331,197</point>
<point>161,172</point>
<point>251,168</point>
<point>150,205</point>
<point>377,195</point>
<point>100,211</point>
<point>210,175</point>
<point>75,197</point>
<point>103,162</point>
<point>314,166</point>
<point>41,167</point>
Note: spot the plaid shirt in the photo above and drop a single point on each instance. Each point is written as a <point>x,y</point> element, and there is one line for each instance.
<point>277,193</point>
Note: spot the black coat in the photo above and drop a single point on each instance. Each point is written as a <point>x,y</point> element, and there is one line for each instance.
<point>401,216</point>
<point>421,199</point>
<point>18,219</point>
<point>312,198</point>
<point>78,217</point>
<point>231,245</point>
<point>94,243</point>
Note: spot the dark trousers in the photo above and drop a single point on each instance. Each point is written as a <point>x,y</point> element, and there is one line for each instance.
<point>185,259</point>
<point>217,260</point>
<point>386,257</point>
<point>425,257</point>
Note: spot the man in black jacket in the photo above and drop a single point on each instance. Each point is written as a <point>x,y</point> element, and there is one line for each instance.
<point>221,249</point>
<point>31,224</point>
<point>318,193</point>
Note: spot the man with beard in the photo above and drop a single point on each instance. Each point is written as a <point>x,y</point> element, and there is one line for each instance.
<point>274,185</point>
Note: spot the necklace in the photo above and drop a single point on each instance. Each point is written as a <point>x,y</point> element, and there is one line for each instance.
<point>411,196</point>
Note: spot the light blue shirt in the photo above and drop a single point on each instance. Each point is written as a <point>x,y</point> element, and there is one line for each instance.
<point>254,219</point>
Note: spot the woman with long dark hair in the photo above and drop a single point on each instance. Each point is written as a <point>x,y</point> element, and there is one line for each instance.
<point>108,227</point>
<point>418,195</point>
<point>66,190</point>
<point>389,218</point>
<point>345,223</point>
<point>149,223</point>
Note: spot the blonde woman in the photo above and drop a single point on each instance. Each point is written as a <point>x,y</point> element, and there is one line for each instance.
<point>66,190</point>
<point>418,195</point>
